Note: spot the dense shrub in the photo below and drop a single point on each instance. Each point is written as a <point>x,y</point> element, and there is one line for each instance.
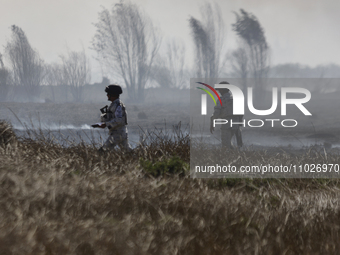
<point>173,165</point>
<point>7,134</point>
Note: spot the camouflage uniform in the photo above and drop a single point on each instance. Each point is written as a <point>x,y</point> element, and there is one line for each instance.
<point>226,112</point>
<point>116,121</point>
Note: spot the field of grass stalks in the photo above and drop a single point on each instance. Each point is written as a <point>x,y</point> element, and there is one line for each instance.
<point>73,200</point>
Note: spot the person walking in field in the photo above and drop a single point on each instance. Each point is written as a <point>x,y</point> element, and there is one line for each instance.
<point>115,119</point>
<point>226,112</point>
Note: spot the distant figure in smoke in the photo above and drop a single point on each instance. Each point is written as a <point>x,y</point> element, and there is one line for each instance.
<point>226,112</point>
<point>115,119</point>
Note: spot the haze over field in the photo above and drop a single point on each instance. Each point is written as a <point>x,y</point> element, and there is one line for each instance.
<point>61,194</point>
<point>302,31</point>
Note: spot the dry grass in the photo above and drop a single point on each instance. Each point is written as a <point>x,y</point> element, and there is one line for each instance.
<point>7,135</point>
<point>57,200</point>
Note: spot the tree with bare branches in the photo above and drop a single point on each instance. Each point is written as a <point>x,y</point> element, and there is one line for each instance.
<point>76,73</point>
<point>27,66</point>
<point>251,34</point>
<point>4,86</point>
<point>127,43</point>
<point>175,59</point>
<point>240,65</point>
<point>209,39</point>
<point>55,77</point>
<point>168,70</point>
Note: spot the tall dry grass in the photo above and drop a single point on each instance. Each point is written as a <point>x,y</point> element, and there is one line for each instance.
<point>72,200</point>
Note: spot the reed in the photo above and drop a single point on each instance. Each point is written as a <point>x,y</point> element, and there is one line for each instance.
<point>58,199</point>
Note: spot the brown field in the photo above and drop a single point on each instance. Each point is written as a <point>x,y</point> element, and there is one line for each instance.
<point>72,200</point>
<point>56,200</point>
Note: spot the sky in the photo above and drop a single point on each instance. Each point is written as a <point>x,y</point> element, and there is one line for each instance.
<point>297,31</point>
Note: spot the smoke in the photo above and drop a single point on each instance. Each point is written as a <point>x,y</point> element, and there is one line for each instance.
<point>52,127</point>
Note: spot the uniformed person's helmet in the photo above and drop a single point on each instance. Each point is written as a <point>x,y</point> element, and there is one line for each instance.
<point>222,91</point>
<point>224,82</point>
<point>113,89</point>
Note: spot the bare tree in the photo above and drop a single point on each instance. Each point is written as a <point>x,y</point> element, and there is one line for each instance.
<point>160,73</point>
<point>168,70</point>
<point>27,66</point>
<point>4,75</point>
<point>240,65</point>
<point>175,62</point>
<point>76,73</point>
<point>127,43</point>
<point>251,33</point>
<point>55,77</point>
<point>209,36</point>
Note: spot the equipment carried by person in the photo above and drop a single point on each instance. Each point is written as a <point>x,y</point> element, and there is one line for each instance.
<point>103,116</point>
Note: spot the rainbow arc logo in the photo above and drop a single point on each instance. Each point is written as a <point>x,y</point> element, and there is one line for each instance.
<point>208,92</point>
